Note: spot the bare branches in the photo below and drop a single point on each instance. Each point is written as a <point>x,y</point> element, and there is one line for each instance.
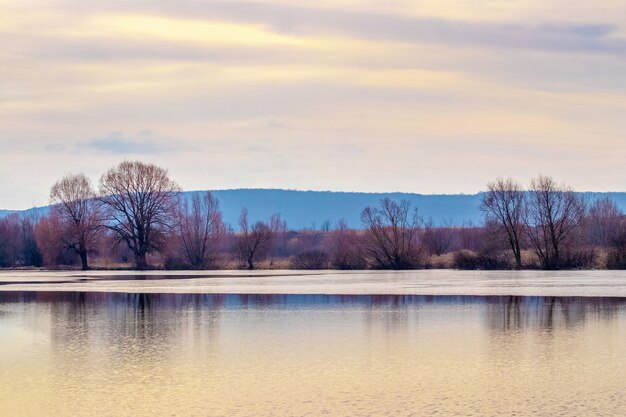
<point>546,215</point>
<point>545,225</point>
<point>504,203</point>
<point>79,214</point>
<point>603,222</point>
<point>552,213</point>
<point>200,229</point>
<point>255,241</point>
<point>438,240</point>
<point>11,242</point>
<point>391,237</point>
<point>140,201</point>
<point>345,247</point>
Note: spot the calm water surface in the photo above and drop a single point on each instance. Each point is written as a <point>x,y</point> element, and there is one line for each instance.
<point>420,282</point>
<point>116,354</point>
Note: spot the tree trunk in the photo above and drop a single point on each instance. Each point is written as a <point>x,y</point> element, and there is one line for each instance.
<point>84,260</point>
<point>518,258</point>
<point>141,261</point>
<point>82,252</point>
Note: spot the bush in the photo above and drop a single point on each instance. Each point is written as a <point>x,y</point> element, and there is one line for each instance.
<point>471,261</point>
<point>312,259</point>
<point>174,262</point>
<point>580,259</point>
<point>464,259</point>
<point>616,259</point>
<point>352,262</point>
<point>617,254</point>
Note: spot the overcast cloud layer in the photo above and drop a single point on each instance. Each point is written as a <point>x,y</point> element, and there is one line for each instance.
<point>434,96</point>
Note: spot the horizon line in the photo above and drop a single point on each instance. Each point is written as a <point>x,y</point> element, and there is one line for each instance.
<point>34,206</point>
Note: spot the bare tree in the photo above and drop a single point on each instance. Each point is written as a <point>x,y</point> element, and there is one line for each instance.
<point>345,249</point>
<point>602,222</point>
<point>140,201</point>
<point>504,203</point>
<point>391,236</point>
<point>470,236</point>
<point>10,247</point>
<point>552,213</point>
<point>28,250</point>
<point>280,238</point>
<point>254,241</point>
<point>200,229</point>
<point>617,253</point>
<point>438,240</point>
<point>73,200</point>
<point>49,233</point>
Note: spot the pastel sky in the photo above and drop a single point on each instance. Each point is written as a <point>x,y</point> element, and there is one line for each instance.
<point>433,96</point>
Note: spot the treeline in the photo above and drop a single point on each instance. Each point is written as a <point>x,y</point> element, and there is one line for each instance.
<point>138,217</point>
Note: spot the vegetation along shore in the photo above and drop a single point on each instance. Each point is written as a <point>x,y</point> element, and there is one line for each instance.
<point>139,218</point>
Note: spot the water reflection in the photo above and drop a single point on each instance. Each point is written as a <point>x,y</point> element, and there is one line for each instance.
<point>102,354</point>
<point>515,313</point>
<point>502,312</point>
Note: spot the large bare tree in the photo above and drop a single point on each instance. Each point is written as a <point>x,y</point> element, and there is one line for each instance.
<point>254,241</point>
<point>140,202</point>
<point>552,213</point>
<point>200,229</point>
<point>73,200</point>
<point>504,203</point>
<point>391,235</point>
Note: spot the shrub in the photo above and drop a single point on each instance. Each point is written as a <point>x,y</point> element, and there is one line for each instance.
<point>468,260</point>
<point>617,254</point>
<point>352,262</point>
<point>311,259</point>
<point>579,259</point>
<point>616,260</point>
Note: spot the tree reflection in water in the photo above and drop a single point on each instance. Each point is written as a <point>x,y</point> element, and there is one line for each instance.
<point>141,315</point>
<point>243,354</point>
<point>518,313</point>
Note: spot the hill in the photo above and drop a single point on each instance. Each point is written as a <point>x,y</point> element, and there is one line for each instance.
<point>310,209</point>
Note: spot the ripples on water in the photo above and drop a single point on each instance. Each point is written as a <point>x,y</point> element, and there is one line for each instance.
<point>103,354</point>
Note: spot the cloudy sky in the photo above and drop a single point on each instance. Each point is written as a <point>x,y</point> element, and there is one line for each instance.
<point>433,96</point>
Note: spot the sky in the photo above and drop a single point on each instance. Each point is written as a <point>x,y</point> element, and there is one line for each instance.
<point>432,96</point>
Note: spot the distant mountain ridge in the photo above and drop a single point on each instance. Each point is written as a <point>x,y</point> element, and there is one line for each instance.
<point>310,209</point>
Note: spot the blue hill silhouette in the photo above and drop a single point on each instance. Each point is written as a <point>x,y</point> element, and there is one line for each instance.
<point>311,209</point>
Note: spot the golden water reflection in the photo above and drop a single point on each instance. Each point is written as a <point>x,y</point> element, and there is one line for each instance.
<point>103,354</point>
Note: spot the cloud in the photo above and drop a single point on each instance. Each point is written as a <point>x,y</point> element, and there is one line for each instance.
<point>591,37</point>
<point>383,95</point>
<point>311,21</point>
<point>142,143</point>
<point>99,37</point>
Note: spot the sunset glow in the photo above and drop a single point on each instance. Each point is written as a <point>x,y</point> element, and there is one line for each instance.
<point>362,96</point>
